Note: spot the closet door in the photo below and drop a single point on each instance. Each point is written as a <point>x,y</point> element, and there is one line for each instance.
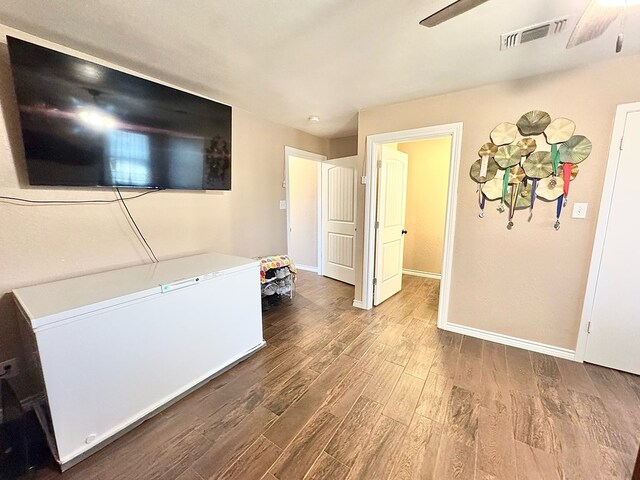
<point>614,331</point>
<point>339,208</point>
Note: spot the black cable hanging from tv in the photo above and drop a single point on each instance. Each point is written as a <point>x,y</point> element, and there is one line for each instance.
<point>29,201</point>
<point>150,252</point>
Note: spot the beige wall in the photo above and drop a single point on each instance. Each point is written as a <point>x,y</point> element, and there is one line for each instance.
<point>43,243</point>
<point>427,186</point>
<point>343,147</point>
<point>528,282</point>
<point>303,211</point>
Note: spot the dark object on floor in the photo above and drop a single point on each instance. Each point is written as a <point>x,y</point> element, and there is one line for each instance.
<point>22,443</point>
<point>278,286</point>
<point>277,280</point>
<point>636,470</point>
<point>274,300</point>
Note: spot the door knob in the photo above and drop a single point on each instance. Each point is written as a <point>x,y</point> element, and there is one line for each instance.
<point>404,232</point>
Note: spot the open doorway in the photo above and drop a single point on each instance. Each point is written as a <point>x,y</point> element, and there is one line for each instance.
<point>401,193</point>
<point>426,205</point>
<point>303,173</point>
<point>321,198</point>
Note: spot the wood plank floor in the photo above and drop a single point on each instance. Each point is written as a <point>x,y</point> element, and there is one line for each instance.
<point>341,393</point>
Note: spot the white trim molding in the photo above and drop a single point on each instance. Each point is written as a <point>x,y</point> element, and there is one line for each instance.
<point>320,241</point>
<point>418,273</point>
<point>511,341</point>
<point>358,304</point>
<point>603,219</point>
<point>306,268</point>
<point>374,143</point>
<point>316,157</point>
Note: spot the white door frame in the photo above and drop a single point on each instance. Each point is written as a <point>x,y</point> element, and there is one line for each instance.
<point>603,221</point>
<point>374,142</point>
<point>316,157</point>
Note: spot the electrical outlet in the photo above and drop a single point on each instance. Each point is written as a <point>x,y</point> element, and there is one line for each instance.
<point>9,368</point>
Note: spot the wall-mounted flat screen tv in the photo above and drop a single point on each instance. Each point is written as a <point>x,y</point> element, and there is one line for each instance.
<point>84,124</point>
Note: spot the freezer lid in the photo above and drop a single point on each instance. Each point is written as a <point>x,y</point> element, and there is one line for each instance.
<point>51,302</point>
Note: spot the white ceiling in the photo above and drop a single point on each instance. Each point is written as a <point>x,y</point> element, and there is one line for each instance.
<point>288,59</point>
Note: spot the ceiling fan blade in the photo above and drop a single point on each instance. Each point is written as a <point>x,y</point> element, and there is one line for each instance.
<point>450,11</point>
<point>594,22</point>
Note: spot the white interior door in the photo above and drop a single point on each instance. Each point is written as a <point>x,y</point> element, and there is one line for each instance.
<point>392,200</point>
<point>614,334</point>
<point>339,189</point>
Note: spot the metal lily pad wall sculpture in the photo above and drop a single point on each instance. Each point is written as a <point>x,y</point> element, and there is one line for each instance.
<point>517,172</point>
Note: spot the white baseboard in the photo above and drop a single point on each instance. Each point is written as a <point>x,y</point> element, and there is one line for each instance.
<point>307,268</point>
<point>416,273</point>
<point>358,304</point>
<point>512,341</point>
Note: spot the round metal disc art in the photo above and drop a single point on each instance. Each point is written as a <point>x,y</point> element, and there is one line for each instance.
<point>516,175</point>
<point>524,197</point>
<point>575,150</point>
<point>492,169</point>
<point>504,133</point>
<point>526,146</point>
<point>508,156</point>
<point>574,171</point>
<point>493,189</point>
<point>550,188</point>
<point>513,171</point>
<point>538,165</point>
<point>488,150</point>
<point>533,122</point>
<point>560,130</point>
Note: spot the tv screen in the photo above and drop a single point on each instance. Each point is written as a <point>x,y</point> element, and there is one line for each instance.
<point>84,124</point>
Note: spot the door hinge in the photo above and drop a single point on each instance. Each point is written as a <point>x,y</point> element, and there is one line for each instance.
<point>621,142</point>
<point>375,282</point>
<point>379,163</point>
<point>377,224</point>
<point>589,327</point>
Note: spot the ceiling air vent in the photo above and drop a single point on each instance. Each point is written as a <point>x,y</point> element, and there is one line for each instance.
<point>533,32</point>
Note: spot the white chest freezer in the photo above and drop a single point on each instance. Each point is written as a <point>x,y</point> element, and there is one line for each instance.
<point>113,348</point>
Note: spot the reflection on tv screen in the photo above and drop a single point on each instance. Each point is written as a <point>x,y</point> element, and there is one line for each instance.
<point>88,125</point>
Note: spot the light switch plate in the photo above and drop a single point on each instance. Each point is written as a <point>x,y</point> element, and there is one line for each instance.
<point>283,204</point>
<point>579,210</point>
